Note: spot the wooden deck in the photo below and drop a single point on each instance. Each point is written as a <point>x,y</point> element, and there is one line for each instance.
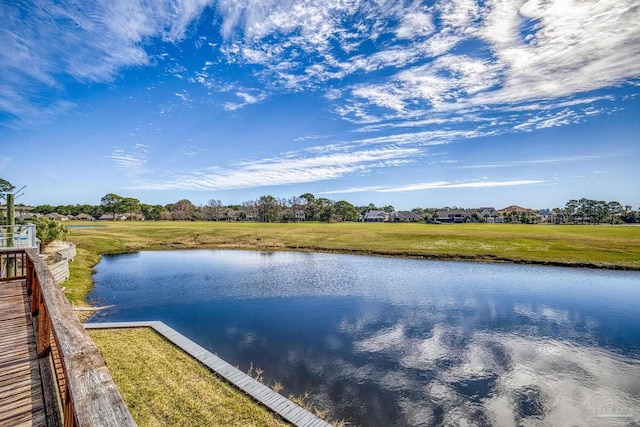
<point>288,410</point>
<point>51,372</point>
<point>21,395</point>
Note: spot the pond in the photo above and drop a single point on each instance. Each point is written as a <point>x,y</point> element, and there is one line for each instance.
<point>384,341</point>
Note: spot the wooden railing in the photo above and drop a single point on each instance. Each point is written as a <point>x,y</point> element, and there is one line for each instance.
<point>87,395</point>
<point>12,265</point>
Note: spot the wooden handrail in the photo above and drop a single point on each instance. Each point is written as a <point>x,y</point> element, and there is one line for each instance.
<point>88,395</point>
<point>12,263</point>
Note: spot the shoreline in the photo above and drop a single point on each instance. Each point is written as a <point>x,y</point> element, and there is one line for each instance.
<point>486,259</point>
<point>87,310</point>
<point>603,248</point>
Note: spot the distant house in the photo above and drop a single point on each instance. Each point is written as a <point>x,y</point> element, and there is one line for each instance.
<point>134,216</point>
<point>488,214</point>
<point>290,214</point>
<point>84,217</point>
<point>57,217</point>
<point>516,213</point>
<point>545,216</point>
<point>404,216</point>
<point>109,217</point>
<point>28,215</point>
<point>376,216</point>
<point>21,212</point>
<point>228,215</point>
<point>452,216</point>
<point>516,209</point>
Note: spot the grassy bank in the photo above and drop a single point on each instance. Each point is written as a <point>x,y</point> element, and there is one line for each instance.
<point>582,246</point>
<point>163,386</point>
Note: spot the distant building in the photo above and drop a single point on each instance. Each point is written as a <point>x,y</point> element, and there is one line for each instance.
<point>376,216</point>
<point>404,216</point>
<point>57,217</point>
<point>452,215</point>
<point>109,217</point>
<point>84,217</point>
<point>516,209</point>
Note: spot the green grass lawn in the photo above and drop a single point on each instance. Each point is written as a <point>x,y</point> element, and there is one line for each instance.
<point>594,246</point>
<point>163,386</point>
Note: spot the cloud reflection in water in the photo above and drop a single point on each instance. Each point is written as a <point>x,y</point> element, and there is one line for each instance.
<point>384,342</point>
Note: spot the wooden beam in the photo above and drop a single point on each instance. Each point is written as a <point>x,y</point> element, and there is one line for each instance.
<point>93,396</point>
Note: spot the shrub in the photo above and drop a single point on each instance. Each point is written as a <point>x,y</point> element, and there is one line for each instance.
<point>48,230</point>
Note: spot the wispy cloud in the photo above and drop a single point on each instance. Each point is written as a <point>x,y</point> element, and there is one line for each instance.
<point>293,168</point>
<point>131,160</point>
<point>538,161</point>
<point>194,150</point>
<point>311,138</point>
<point>93,42</point>
<point>410,73</point>
<point>529,51</point>
<point>435,185</point>
<point>246,98</point>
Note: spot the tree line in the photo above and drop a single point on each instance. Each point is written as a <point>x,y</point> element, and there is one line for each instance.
<point>589,211</point>
<point>265,209</point>
<point>307,207</point>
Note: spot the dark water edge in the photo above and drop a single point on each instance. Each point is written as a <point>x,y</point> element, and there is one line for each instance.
<point>383,341</point>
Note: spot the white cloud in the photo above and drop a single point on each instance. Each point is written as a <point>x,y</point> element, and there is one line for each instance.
<point>539,161</point>
<point>311,137</point>
<point>524,53</point>
<point>246,99</point>
<point>552,119</point>
<point>131,160</point>
<point>184,96</point>
<point>437,137</point>
<point>435,185</point>
<point>415,24</point>
<point>292,168</point>
<point>89,42</point>
<point>577,46</point>
<point>568,48</point>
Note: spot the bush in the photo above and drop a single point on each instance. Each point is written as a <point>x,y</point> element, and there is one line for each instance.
<point>48,230</point>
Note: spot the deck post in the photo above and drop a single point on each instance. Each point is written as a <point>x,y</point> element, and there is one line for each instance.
<point>35,295</point>
<point>29,275</point>
<point>43,334</point>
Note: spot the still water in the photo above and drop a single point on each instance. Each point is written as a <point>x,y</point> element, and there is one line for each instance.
<point>382,341</point>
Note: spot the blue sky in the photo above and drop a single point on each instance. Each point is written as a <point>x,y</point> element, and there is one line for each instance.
<point>409,103</point>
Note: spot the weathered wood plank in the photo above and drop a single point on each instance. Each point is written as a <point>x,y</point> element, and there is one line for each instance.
<point>32,419</point>
<point>26,408</point>
<point>16,375</point>
<point>21,397</point>
<point>18,396</point>
<point>18,387</point>
<point>10,347</point>
<point>11,368</point>
<point>15,354</point>
<point>15,330</point>
<point>94,396</point>
<point>50,401</point>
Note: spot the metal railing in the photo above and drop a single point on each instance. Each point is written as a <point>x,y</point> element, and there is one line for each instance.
<point>18,237</point>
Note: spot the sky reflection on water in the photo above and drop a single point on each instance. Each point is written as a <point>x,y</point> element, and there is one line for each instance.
<point>383,341</point>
